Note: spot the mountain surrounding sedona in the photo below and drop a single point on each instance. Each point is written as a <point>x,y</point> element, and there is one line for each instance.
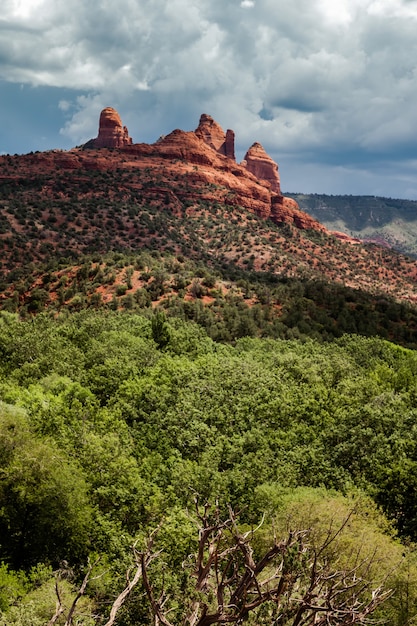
<point>208,398</point>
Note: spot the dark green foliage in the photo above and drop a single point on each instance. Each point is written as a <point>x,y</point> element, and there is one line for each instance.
<point>160,332</point>
<point>229,304</point>
<point>45,514</point>
<point>112,420</point>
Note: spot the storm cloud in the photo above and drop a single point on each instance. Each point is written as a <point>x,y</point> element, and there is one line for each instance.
<point>329,87</point>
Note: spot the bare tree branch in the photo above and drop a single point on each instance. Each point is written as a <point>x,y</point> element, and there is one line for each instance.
<point>148,557</point>
<point>121,598</point>
<point>80,593</point>
<point>59,607</point>
<point>156,605</point>
<point>295,580</point>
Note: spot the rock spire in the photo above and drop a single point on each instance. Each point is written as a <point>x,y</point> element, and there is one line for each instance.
<point>213,135</point>
<point>111,132</point>
<point>260,164</point>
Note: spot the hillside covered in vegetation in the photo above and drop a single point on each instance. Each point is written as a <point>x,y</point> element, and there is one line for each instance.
<point>229,302</point>
<point>112,422</point>
<point>208,400</point>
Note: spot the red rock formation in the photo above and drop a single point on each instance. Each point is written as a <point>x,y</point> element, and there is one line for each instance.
<point>200,156</point>
<point>229,144</point>
<point>213,135</point>
<point>346,238</point>
<point>111,132</point>
<point>185,146</point>
<point>260,164</point>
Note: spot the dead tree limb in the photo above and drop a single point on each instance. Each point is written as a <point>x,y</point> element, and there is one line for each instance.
<point>148,557</point>
<point>59,606</point>
<point>80,593</point>
<point>294,579</point>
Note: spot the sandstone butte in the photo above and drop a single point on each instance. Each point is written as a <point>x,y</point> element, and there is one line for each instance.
<point>207,155</point>
<point>204,159</point>
<point>111,132</point>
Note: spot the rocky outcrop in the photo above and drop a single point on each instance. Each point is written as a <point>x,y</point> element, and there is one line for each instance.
<point>260,164</point>
<point>111,132</point>
<point>185,146</point>
<point>200,157</point>
<point>213,135</point>
<point>229,144</point>
<point>347,238</point>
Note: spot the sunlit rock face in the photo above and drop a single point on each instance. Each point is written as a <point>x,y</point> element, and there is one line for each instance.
<point>213,135</point>
<point>260,164</point>
<point>253,184</point>
<point>111,132</point>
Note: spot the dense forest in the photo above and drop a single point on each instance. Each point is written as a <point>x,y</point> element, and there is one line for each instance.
<point>129,438</point>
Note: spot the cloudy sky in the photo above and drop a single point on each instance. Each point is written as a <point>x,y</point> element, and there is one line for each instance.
<point>329,87</point>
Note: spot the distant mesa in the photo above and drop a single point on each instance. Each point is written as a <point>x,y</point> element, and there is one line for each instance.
<point>111,132</point>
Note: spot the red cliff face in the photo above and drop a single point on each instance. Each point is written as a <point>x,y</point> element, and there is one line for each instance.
<point>180,144</point>
<point>111,132</point>
<point>213,135</point>
<point>229,144</point>
<point>260,164</point>
<point>206,157</point>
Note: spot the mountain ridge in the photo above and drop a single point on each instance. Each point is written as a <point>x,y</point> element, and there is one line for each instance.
<point>390,222</point>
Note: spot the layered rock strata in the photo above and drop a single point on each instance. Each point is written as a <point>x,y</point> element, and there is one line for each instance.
<point>260,164</point>
<point>214,136</point>
<point>111,132</point>
<point>200,156</point>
